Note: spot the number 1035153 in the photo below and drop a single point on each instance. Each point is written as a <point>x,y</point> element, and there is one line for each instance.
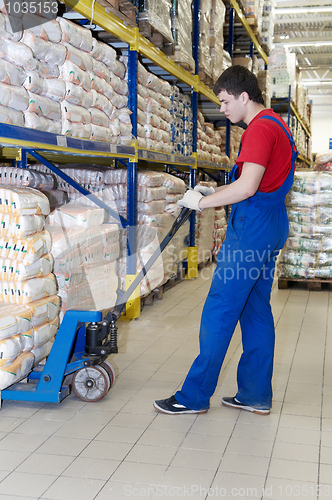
<point>304,490</point>
<point>15,7</point>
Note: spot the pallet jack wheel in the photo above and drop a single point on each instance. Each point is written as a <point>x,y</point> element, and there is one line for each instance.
<point>91,384</point>
<point>110,370</point>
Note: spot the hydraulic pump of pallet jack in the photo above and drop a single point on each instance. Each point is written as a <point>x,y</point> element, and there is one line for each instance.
<point>101,338</point>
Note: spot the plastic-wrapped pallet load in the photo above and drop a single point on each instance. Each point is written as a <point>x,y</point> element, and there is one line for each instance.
<point>209,142</point>
<point>218,11</point>
<point>205,60</point>
<point>153,114</point>
<point>85,251</point>
<point>182,33</point>
<point>182,123</point>
<point>220,226</point>
<point>156,15</point>
<point>308,250</point>
<point>29,306</point>
<point>204,231</point>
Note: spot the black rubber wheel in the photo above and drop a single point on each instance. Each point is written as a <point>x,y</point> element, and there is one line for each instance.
<point>91,384</point>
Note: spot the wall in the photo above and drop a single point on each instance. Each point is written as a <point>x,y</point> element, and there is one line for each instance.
<point>321,129</point>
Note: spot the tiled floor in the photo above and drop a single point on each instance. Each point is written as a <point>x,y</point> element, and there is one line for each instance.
<point>121,447</point>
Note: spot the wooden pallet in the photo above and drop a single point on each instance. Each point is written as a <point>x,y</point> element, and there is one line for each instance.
<point>180,58</point>
<point>156,38</point>
<point>158,293</point>
<point>205,78</point>
<point>313,284</point>
<point>123,9</point>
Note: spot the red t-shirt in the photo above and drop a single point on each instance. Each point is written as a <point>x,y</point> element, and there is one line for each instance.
<point>264,142</point>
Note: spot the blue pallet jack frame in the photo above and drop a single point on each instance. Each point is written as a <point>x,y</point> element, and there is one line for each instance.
<point>81,346</point>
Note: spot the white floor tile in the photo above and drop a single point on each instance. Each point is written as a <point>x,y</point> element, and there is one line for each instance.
<point>122,447</point>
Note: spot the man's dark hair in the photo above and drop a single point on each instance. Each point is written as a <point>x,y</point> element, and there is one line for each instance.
<point>238,79</point>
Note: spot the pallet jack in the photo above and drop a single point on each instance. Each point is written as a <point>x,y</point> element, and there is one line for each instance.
<point>78,358</point>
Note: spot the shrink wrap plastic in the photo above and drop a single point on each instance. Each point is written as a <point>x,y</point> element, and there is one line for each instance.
<point>75,94</point>
<point>23,201</point>
<point>70,72</point>
<point>17,53</point>
<point>27,291</point>
<point>46,70</point>
<point>76,114</point>
<point>41,123</point>
<point>81,130</point>
<point>49,31</point>
<point>100,133</point>
<point>25,272</point>
<point>308,250</point>
<point>14,97</point>
<point>33,82</point>
<point>20,226</point>
<point>103,52</point>
<point>17,370</point>
<point>11,74</point>
<point>11,116</point>
<point>26,250</point>
<point>73,214</point>
<point>46,51</point>
<point>220,226</point>
<point>54,89</point>
<point>182,31</point>
<point>218,12</point>
<point>14,270</point>
<point>44,107</point>
<point>79,37</point>
<point>323,158</point>
<point>98,117</point>
<point>83,60</point>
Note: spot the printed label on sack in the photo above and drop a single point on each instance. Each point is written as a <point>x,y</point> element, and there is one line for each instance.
<point>61,141</point>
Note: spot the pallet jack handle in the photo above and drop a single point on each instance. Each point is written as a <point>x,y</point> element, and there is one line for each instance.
<point>116,311</point>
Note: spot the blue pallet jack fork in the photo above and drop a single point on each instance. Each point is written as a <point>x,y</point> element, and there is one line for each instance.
<point>84,340</point>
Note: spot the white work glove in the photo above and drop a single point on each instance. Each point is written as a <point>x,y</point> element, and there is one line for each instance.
<point>190,200</point>
<point>204,190</point>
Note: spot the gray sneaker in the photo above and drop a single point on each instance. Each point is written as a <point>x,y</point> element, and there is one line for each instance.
<point>234,403</point>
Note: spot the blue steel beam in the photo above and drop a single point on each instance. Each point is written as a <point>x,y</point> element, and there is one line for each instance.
<point>71,182</point>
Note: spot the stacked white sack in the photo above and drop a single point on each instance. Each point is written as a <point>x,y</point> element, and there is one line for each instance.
<point>179,245</point>
<point>29,305</point>
<point>209,142</point>
<point>308,250</point>
<point>220,226</point>
<point>85,251</point>
<point>153,113</point>
<point>151,201</point>
<point>182,123</point>
<point>204,230</point>
<point>109,90</point>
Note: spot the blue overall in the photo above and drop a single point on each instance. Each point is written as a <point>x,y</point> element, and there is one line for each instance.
<point>241,290</point>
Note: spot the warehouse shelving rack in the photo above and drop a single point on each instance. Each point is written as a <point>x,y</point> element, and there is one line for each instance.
<point>282,104</point>
<point>48,148</point>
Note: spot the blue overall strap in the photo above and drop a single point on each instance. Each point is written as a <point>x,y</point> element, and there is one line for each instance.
<point>295,153</point>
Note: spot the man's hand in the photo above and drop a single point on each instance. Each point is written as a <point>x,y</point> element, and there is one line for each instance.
<point>191,200</point>
<point>204,190</point>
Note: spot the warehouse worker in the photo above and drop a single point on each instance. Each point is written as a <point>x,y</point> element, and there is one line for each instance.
<point>257,230</point>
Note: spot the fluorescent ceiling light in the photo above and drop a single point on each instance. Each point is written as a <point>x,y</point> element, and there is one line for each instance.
<point>317,83</point>
<point>304,44</point>
<point>303,10</point>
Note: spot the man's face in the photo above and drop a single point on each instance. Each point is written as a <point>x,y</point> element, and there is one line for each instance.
<point>232,106</point>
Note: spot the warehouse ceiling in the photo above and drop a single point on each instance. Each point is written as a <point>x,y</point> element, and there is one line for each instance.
<point>305,27</point>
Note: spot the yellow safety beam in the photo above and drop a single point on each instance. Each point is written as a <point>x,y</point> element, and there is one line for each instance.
<point>192,271</point>
<point>133,306</point>
<point>109,22</point>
